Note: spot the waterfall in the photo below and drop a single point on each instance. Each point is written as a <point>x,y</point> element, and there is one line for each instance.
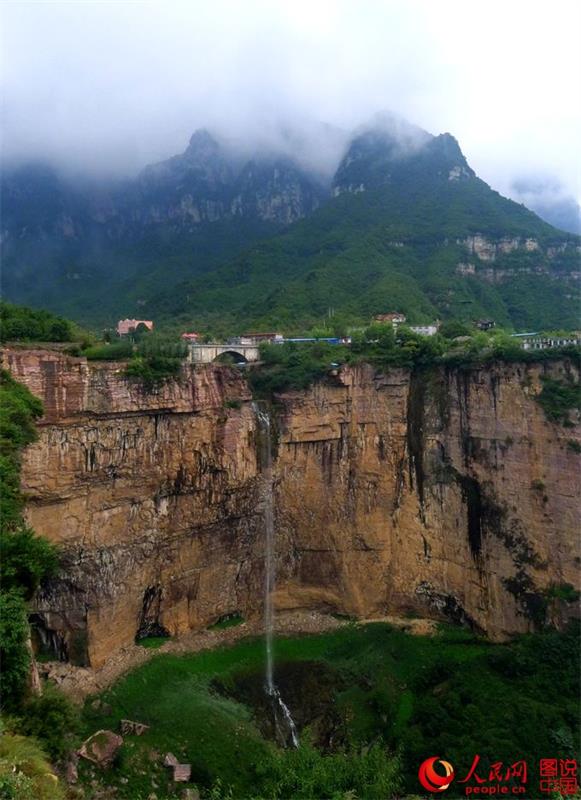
<point>269,553</point>
<point>279,706</point>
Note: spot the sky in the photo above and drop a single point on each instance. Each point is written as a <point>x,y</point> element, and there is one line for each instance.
<point>110,86</point>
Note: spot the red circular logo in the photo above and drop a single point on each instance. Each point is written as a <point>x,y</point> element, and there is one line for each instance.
<point>430,779</point>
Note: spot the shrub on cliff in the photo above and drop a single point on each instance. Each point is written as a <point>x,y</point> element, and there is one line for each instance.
<point>290,366</point>
<point>52,719</point>
<point>26,558</point>
<point>156,359</point>
<point>15,658</point>
<point>559,397</point>
<point>153,370</point>
<point>113,351</point>
<point>18,410</point>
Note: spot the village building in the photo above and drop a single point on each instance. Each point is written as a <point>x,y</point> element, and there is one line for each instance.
<point>257,338</point>
<point>190,337</point>
<point>485,324</point>
<point>395,317</point>
<point>536,341</point>
<point>425,330</point>
<point>127,326</point>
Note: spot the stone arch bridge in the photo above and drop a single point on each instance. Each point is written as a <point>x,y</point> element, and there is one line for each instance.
<point>206,353</point>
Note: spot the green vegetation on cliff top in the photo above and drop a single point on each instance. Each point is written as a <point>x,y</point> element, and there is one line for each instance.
<point>294,366</point>
<point>18,323</point>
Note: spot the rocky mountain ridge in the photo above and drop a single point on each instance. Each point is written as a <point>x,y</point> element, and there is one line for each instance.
<point>214,231</point>
<point>204,184</point>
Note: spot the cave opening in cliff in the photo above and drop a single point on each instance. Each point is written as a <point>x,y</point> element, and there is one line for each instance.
<point>149,620</point>
<point>47,643</point>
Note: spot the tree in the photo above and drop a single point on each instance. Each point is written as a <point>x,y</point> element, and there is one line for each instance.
<point>140,331</point>
<point>14,632</point>
<point>21,323</point>
<point>454,328</point>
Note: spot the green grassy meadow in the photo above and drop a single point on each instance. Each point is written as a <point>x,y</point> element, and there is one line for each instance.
<point>368,700</point>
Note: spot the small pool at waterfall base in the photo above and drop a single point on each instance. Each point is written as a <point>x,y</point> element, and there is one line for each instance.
<point>370,703</point>
<point>308,688</point>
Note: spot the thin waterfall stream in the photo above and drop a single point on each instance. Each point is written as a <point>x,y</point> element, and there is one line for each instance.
<point>284,722</point>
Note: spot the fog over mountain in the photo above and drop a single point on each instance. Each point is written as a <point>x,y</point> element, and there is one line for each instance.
<point>228,227</point>
<point>549,199</point>
<point>108,88</point>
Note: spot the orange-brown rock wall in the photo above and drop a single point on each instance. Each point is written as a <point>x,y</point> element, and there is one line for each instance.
<point>445,493</point>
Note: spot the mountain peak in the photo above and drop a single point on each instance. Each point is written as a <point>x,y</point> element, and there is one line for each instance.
<point>202,145</point>
<point>449,146</point>
<point>393,131</point>
<point>392,151</point>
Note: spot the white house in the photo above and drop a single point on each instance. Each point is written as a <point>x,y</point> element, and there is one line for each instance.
<point>425,330</point>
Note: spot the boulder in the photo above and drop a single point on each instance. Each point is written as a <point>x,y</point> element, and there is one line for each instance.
<point>104,708</point>
<point>182,773</point>
<point>131,728</point>
<point>170,760</point>
<point>101,748</point>
<point>71,769</point>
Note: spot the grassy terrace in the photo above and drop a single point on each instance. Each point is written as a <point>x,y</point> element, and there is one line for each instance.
<point>359,695</point>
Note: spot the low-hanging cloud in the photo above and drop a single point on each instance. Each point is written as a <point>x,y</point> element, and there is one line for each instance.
<point>110,87</point>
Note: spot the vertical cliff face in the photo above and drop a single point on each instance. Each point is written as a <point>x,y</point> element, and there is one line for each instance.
<point>446,493</point>
<point>152,497</point>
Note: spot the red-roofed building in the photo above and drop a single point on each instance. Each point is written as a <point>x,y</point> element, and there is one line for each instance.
<point>394,317</point>
<point>126,326</point>
<point>190,337</point>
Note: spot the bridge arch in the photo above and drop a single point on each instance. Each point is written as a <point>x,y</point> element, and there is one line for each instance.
<point>212,351</point>
<point>227,356</point>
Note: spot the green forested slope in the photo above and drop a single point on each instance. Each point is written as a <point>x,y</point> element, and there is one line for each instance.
<point>396,245</point>
<point>390,235</point>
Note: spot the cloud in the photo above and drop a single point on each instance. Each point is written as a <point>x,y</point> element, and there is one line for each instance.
<point>112,86</point>
<point>550,199</point>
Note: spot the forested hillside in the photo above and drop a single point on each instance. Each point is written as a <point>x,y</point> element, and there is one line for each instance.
<point>415,231</point>
<point>210,239</point>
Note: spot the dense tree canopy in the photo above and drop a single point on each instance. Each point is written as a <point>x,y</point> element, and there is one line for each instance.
<point>18,323</point>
